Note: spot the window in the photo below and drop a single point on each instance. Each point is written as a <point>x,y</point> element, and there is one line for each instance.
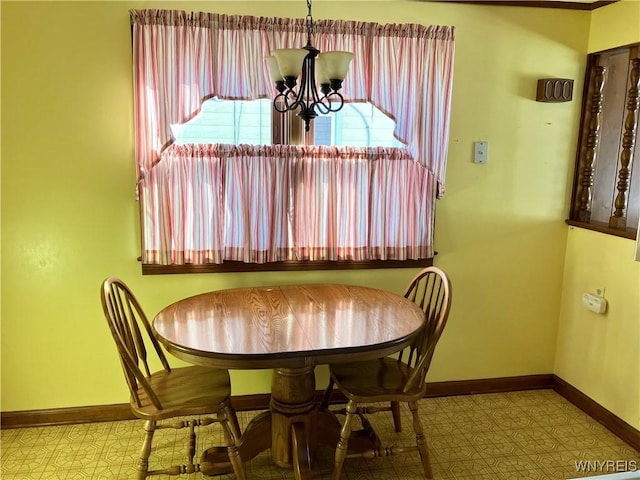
<point>244,203</point>
<point>227,121</point>
<point>234,122</point>
<point>357,125</point>
<point>606,189</point>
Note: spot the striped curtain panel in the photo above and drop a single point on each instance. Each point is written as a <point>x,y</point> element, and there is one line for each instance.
<point>273,203</point>
<point>210,203</point>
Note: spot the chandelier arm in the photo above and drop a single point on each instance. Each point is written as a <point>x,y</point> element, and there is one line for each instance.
<point>321,107</point>
<point>330,102</point>
<point>314,97</point>
<point>307,93</point>
<point>320,100</point>
<point>281,102</point>
<point>335,105</point>
<point>292,99</point>
<point>289,97</point>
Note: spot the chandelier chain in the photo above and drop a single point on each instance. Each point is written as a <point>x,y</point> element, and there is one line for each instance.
<point>309,19</point>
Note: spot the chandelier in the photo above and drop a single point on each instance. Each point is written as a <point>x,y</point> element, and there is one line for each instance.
<point>327,69</point>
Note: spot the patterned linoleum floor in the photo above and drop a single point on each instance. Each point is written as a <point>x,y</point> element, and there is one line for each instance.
<point>517,435</point>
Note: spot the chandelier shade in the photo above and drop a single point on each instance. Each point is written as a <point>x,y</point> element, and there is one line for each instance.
<point>290,60</point>
<point>332,65</point>
<point>328,69</point>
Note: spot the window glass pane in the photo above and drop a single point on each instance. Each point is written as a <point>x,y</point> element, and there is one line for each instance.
<point>249,122</point>
<point>228,121</point>
<point>356,125</point>
<point>323,130</point>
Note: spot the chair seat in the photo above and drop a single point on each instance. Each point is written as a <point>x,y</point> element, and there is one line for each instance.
<point>378,380</point>
<point>191,390</point>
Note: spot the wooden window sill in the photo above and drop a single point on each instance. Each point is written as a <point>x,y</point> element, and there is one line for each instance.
<point>148,269</point>
<point>604,228</point>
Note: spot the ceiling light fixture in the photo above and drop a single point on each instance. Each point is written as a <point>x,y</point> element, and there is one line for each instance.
<point>328,69</point>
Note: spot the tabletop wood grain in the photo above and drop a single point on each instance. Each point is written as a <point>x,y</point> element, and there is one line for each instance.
<point>293,325</point>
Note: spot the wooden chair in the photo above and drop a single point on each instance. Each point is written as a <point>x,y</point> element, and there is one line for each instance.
<point>167,393</point>
<point>394,380</point>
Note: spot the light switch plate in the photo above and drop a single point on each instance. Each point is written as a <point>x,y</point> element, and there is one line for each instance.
<point>480,152</point>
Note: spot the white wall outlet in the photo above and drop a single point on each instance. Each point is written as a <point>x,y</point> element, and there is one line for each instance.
<point>599,291</point>
<point>480,152</point>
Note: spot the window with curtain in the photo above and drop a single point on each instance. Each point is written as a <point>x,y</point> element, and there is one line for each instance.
<point>218,206</point>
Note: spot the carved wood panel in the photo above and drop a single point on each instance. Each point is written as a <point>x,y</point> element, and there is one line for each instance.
<point>606,191</point>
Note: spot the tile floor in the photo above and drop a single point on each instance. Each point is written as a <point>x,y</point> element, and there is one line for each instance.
<point>517,435</point>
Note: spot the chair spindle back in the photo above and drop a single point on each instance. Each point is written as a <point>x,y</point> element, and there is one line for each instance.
<point>431,291</point>
<point>125,318</point>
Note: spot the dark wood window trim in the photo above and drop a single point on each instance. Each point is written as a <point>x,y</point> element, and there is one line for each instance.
<point>149,269</point>
<point>606,185</point>
<point>602,228</point>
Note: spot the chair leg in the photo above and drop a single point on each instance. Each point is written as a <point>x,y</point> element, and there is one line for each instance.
<point>232,448</point>
<point>191,449</point>
<point>327,395</point>
<point>395,412</point>
<point>345,433</point>
<point>233,420</point>
<point>143,462</point>
<point>421,440</point>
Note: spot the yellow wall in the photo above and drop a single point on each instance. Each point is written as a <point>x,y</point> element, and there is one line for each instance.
<point>615,25</point>
<point>69,215</point>
<point>600,354</point>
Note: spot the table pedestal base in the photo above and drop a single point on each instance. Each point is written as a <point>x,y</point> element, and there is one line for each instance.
<point>292,429</point>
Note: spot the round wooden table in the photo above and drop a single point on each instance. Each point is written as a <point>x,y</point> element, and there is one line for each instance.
<point>289,329</point>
